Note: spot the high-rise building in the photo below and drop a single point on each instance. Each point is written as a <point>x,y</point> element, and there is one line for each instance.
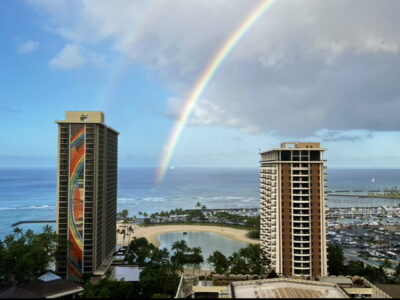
<point>292,209</point>
<point>87,193</point>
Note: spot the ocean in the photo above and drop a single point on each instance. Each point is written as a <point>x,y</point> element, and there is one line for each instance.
<point>30,194</point>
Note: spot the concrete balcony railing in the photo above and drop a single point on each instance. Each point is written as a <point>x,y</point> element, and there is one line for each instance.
<point>301,187</point>
<point>300,240</point>
<point>301,253</point>
<point>301,246</point>
<point>304,246</point>
<point>301,259</point>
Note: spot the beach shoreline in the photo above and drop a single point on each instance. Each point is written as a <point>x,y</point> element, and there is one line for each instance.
<point>151,233</point>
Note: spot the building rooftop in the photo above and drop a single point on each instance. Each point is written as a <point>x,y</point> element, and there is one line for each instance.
<point>126,273</point>
<point>84,117</point>
<point>286,288</point>
<point>329,287</point>
<point>300,145</point>
<point>341,280</point>
<point>297,146</point>
<point>48,285</point>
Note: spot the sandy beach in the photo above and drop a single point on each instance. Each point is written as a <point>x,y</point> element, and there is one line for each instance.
<point>151,233</point>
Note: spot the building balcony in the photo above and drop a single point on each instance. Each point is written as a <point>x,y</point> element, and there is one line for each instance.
<point>302,272</point>
<point>301,253</point>
<point>300,240</point>
<point>302,266</point>
<point>301,226</point>
<point>301,201</point>
<point>301,219</point>
<point>302,206</point>
<point>300,187</point>
<point>301,246</point>
<point>302,232</point>
<point>301,259</point>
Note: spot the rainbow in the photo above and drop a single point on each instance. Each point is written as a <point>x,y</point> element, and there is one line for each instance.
<point>203,81</point>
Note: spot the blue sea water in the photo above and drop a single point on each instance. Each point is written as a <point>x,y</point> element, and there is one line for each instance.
<point>30,194</point>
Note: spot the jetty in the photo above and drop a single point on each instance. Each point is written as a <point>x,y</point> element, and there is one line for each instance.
<point>32,222</point>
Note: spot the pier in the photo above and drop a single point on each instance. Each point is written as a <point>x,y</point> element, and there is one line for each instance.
<point>32,222</point>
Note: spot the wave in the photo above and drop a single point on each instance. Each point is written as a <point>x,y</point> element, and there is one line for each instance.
<point>154,199</point>
<point>249,200</point>
<point>149,199</point>
<point>29,207</point>
<point>224,198</point>
<point>126,199</point>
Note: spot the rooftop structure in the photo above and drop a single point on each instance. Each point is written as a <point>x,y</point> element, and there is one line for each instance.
<point>327,287</point>
<point>285,288</point>
<point>48,285</point>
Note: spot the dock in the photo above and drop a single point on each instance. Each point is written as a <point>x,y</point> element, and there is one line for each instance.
<point>32,222</point>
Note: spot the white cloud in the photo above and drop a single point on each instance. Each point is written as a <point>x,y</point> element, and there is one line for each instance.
<point>27,47</point>
<point>208,113</point>
<point>306,64</point>
<point>70,57</point>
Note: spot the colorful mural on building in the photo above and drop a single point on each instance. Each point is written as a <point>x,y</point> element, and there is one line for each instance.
<point>76,202</point>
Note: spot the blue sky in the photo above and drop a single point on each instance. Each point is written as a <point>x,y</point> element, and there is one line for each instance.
<point>305,72</point>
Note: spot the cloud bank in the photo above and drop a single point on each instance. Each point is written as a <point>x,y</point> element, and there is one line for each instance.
<point>306,65</point>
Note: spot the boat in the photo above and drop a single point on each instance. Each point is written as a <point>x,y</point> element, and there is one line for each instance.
<point>373,180</point>
<point>185,232</point>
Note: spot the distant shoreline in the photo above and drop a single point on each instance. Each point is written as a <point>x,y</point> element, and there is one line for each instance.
<point>365,196</point>
<point>151,233</point>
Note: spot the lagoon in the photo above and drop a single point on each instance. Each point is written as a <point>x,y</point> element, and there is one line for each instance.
<point>207,241</point>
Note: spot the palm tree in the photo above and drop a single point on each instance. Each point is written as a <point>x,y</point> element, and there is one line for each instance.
<point>198,204</point>
<point>122,231</point>
<point>130,232</point>
<point>196,258</point>
<point>17,231</point>
<point>180,246</point>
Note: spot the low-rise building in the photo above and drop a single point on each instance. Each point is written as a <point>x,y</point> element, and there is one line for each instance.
<point>48,285</point>
<point>284,287</point>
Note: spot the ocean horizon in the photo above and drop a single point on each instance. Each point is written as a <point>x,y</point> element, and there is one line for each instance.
<point>30,193</point>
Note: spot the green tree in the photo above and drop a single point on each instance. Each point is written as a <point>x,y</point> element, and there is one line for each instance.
<point>386,264</point>
<point>195,257</point>
<point>335,260</point>
<point>25,256</point>
<point>160,275</point>
<point>112,289</point>
<point>130,231</point>
<point>179,258</point>
<point>180,246</point>
<point>238,264</point>
<point>249,260</point>
<point>353,268</point>
<point>219,262</point>
<point>123,215</point>
<point>156,279</point>
<point>139,251</point>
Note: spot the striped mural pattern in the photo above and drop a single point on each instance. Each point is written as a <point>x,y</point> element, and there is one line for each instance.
<point>76,202</point>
